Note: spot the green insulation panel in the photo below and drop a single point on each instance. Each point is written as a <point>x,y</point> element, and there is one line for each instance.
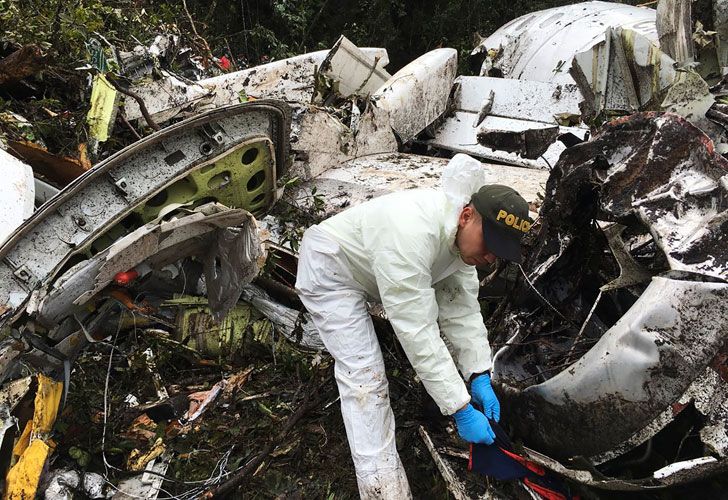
<point>241,178</point>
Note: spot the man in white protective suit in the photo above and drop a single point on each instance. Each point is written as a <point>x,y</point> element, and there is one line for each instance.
<point>416,251</point>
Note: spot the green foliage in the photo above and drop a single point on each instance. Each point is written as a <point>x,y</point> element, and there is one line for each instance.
<point>63,28</point>
<point>90,33</point>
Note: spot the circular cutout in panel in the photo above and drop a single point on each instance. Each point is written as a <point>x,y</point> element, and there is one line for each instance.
<point>249,156</point>
<point>205,148</point>
<point>158,199</point>
<point>258,199</point>
<point>256,181</point>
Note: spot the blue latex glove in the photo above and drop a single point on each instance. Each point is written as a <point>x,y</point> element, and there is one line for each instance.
<point>473,427</point>
<point>484,396</point>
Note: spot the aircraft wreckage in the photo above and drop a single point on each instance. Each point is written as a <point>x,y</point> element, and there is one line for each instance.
<point>616,320</point>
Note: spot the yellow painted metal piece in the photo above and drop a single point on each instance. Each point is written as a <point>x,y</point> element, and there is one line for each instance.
<point>47,400</point>
<point>137,460</point>
<point>195,323</point>
<point>22,479</point>
<point>23,441</point>
<point>34,445</point>
<point>100,117</point>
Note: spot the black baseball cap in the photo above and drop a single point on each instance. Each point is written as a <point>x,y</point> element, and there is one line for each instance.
<point>505,220</point>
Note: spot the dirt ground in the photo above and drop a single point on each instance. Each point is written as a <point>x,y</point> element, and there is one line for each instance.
<point>310,461</point>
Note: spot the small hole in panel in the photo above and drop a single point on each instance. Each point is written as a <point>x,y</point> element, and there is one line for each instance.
<point>175,157</point>
<point>256,181</point>
<point>219,180</point>
<point>249,156</point>
<point>158,199</point>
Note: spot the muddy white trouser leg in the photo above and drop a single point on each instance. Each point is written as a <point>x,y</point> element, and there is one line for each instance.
<point>338,309</point>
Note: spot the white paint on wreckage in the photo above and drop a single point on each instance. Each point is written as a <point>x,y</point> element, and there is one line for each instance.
<point>540,46</point>
<point>417,95</point>
<point>289,79</point>
<point>17,193</point>
<point>94,202</point>
<point>366,177</point>
<point>480,104</point>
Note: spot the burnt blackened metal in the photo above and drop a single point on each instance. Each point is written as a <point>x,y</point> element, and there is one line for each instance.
<point>530,143</point>
<point>594,361</point>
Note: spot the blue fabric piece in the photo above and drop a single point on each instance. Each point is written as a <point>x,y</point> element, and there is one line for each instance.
<point>492,461</point>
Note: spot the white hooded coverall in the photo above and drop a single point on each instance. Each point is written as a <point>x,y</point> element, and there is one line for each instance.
<point>399,248</point>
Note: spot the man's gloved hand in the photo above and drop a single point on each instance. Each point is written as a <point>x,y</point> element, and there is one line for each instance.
<point>484,396</point>
<point>473,427</point>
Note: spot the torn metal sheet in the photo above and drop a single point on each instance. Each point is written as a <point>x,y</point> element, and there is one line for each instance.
<point>530,143</point>
<point>624,357</point>
<point>101,115</point>
<point>417,95</point>
<point>17,194</point>
<point>289,79</point>
<point>34,446</point>
<point>143,177</point>
<point>11,394</point>
<point>320,141</point>
<point>720,25</point>
<point>43,192</point>
<point>631,369</point>
<point>517,49</point>
<point>628,72</point>
<point>689,96</point>
<point>232,261</point>
<point>196,324</point>
<point>163,242</point>
<point>362,178</point>
<point>624,73</point>
<point>675,29</point>
<point>165,98</point>
<point>597,480</point>
<point>482,105</point>
<point>518,99</point>
<point>352,70</point>
<point>296,326</point>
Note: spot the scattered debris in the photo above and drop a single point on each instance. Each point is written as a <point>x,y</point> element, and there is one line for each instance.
<point>352,71</point>
<point>630,344</point>
<point>164,274</point>
<point>484,108</point>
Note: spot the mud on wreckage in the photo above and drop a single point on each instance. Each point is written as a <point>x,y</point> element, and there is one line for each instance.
<point>616,330</point>
<point>128,362</point>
